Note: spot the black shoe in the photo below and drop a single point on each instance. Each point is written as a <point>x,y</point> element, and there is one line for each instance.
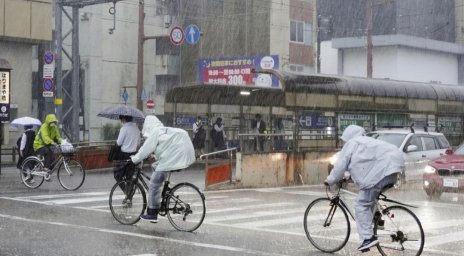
<point>368,243</point>
<point>151,216</point>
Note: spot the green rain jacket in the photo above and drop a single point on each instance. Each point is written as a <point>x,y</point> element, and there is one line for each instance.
<point>47,135</point>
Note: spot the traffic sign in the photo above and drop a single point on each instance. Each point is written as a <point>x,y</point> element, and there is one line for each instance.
<point>192,34</point>
<point>48,57</point>
<point>150,104</point>
<point>177,35</point>
<point>48,85</point>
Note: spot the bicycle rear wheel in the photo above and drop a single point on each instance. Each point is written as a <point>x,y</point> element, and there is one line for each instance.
<point>71,175</point>
<point>185,207</point>
<point>127,202</point>
<point>326,225</point>
<point>30,166</point>
<point>402,233</point>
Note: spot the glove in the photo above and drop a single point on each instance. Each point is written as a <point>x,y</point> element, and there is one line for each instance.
<point>326,182</point>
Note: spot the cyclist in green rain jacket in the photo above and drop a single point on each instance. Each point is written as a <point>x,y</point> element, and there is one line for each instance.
<point>46,138</point>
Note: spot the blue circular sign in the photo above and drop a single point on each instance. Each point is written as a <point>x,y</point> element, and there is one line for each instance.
<point>48,85</point>
<point>192,34</point>
<point>49,57</point>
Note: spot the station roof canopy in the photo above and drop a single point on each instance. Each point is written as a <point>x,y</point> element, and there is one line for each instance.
<point>355,86</point>
<point>226,95</point>
<point>317,84</point>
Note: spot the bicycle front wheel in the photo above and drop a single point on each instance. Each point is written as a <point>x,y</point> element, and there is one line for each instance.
<point>185,207</point>
<point>402,233</point>
<point>30,166</point>
<point>127,202</point>
<point>326,225</point>
<point>70,174</point>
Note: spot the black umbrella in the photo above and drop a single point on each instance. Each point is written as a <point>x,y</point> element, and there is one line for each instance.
<point>115,111</point>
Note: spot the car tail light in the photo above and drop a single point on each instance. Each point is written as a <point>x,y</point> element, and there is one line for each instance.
<point>449,151</point>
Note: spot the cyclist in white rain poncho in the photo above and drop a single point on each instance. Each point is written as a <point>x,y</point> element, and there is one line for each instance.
<point>372,164</point>
<point>173,150</point>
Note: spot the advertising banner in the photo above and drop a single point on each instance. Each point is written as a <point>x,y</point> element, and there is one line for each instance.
<point>238,71</point>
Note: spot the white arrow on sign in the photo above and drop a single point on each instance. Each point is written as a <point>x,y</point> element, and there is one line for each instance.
<point>191,33</point>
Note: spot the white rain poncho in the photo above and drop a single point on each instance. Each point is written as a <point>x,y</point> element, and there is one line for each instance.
<point>368,160</point>
<point>172,146</point>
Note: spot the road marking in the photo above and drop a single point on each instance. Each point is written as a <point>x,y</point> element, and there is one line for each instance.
<point>165,239</point>
<point>249,207</point>
<point>248,215</point>
<point>63,195</point>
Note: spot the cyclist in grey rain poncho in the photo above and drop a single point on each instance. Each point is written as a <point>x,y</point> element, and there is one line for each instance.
<point>173,150</point>
<point>372,164</point>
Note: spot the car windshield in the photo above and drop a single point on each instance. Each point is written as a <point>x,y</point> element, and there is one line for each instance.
<point>393,138</point>
<point>460,150</point>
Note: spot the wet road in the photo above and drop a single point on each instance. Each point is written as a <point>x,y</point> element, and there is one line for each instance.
<point>52,221</point>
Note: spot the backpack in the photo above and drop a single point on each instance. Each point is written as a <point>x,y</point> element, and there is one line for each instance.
<point>201,133</point>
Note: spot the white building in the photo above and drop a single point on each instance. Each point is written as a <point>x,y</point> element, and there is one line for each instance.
<point>396,57</point>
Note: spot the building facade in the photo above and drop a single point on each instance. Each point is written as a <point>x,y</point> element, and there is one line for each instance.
<point>24,24</point>
<point>412,40</point>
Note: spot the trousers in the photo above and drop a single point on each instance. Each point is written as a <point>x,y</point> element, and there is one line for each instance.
<point>365,205</point>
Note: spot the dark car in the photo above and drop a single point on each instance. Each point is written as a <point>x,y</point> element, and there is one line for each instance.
<point>445,174</point>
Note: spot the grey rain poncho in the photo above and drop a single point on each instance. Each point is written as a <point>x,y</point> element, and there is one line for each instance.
<point>172,146</point>
<point>368,160</point>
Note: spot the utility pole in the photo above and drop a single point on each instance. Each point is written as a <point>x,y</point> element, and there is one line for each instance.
<point>141,39</point>
<point>369,38</point>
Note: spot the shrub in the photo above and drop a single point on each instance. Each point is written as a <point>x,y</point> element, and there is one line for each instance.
<point>111,131</point>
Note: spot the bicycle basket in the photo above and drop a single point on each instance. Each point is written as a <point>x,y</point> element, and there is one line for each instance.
<point>68,150</point>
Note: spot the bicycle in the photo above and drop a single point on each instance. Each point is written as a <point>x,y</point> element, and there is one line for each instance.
<point>69,171</point>
<point>183,204</point>
<point>396,227</point>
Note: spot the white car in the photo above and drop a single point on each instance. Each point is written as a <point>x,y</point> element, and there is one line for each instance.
<point>418,147</point>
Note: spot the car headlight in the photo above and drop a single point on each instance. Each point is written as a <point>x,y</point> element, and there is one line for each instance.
<point>429,169</point>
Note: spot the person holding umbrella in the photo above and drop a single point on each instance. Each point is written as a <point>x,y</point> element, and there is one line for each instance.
<point>25,144</point>
<point>47,137</point>
<point>129,141</point>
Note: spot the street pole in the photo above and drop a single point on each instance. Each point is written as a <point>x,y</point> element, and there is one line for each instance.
<point>141,39</point>
<point>369,38</point>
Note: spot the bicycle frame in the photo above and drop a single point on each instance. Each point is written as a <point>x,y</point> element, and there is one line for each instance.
<point>379,208</point>
<point>165,193</point>
<point>58,162</point>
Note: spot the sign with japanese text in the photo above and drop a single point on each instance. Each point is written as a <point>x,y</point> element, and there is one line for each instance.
<point>363,120</point>
<point>4,96</point>
<point>315,121</point>
<point>238,71</point>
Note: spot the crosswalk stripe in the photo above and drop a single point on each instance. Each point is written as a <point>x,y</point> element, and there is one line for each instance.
<point>256,214</point>
<point>249,207</point>
<point>39,197</point>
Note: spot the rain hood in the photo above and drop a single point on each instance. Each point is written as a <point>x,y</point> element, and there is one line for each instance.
<point>351,132</point>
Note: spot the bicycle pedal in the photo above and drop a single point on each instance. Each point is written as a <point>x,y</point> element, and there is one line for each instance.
<point>365,250</point>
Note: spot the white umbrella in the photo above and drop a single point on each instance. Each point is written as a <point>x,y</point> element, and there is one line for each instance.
<point>25,121</point>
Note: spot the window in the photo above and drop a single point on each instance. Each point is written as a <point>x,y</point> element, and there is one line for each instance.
<point>416,141</point>
<point>296,31</point>
<point>443,142</point>
<point>430,143</point>
<point>301,32</point>
<point>296,68</point>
